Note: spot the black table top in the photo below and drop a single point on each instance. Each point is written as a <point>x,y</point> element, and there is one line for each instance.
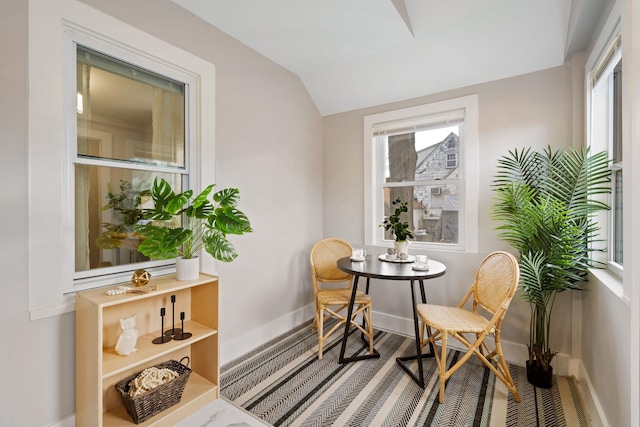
<point>375,268</point>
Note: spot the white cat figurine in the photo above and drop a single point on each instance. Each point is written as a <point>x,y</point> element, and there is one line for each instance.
<point>127,341</point>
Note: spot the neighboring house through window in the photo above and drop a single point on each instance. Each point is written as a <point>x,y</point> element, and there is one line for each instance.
<point>427,156</point>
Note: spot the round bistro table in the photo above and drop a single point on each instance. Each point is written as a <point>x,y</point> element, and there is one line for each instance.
<point>375,268</point>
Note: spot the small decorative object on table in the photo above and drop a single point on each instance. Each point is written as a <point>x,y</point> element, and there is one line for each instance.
<point>358,254</point>
<point>156,391</point>
<point>140,277</point>
<point>421,263</point>
<point>129,337</point>
<point>391,254</point>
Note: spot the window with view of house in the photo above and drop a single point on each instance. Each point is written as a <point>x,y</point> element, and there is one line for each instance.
<point>422,156</point>
<point>605,133</point>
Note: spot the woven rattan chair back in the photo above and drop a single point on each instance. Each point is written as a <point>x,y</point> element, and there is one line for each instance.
<point>324,255</point>
<point>496,281</point>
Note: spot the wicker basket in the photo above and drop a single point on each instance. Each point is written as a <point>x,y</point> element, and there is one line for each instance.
<point>146,405</point>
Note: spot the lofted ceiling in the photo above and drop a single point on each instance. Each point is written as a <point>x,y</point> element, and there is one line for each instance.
<point>353,54</point>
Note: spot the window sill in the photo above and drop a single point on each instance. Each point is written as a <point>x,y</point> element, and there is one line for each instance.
<point>610,280</point>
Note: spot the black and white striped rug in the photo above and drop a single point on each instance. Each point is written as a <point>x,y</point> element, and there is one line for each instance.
<point>284,384</point>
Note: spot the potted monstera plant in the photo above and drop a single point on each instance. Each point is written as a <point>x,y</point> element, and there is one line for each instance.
<point>399,229</point>
<point>545,202</point>
<point>182,224</point>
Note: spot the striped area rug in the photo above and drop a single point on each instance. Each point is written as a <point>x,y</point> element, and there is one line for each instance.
<point>284,384</point>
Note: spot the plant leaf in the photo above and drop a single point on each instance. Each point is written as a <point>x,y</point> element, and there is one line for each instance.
<point>218,246</point>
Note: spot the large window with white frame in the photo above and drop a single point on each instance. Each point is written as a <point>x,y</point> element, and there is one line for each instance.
<point>131,125</point>
<point>110,108</point>
<point>605,133</point>
<point>426,156</point>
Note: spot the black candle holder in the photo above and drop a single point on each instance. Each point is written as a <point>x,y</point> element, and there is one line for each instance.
<point>182,335</point>
<point>162,338</point>
<point>173,330</point>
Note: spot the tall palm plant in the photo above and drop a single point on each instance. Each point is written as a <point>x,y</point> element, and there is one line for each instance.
<point>544,201</point>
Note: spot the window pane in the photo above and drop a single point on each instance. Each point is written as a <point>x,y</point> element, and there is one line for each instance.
<point>617,225</point>
<point>108,203</point>
<point>433,211</point>
<point>143,111</point>
<point>429,154</point>
<point>617,113</point>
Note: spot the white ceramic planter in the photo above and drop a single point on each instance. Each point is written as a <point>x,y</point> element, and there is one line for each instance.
<point>402,247</point>
<point>187,269</point>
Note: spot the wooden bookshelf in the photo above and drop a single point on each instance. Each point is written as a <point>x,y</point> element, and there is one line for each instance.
<point>99,368</point>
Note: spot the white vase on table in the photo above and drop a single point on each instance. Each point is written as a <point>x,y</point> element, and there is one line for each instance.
<point>402,247</point>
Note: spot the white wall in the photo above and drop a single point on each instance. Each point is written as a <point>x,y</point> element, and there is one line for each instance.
<point>610,320</point>
<point>268,144</point>
<point>530,110</point>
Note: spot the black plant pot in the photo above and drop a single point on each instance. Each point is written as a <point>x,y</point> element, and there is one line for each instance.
<point>538,377</point>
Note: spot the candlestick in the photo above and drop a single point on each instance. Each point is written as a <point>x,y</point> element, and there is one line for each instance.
<point>162,338</point>
<point>182,335</point>
<point>173,330</point>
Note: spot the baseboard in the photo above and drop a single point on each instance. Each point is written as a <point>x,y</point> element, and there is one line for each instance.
<point>590,398</point>
<point>242,344</point>
<point>70,421</point>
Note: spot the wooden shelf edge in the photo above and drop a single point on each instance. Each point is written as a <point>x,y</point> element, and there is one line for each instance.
<point>113,363</point>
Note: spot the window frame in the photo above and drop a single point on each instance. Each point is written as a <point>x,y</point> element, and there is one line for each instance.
<point>607,52</point>
<point>52,28</point>
<point>468,186</point>
<point>93,278</point>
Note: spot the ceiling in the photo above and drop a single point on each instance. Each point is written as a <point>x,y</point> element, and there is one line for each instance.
<point>352,54</point>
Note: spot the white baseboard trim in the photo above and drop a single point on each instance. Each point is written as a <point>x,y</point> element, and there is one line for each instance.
<point>70,421</point>
<point>590,398</point>
<point>242,344</point>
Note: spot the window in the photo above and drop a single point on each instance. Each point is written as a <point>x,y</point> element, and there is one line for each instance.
<point>130,130</point>
<point>426,156</point>
<point>67,151</point>
<point>452,160</point>
<point>605,117</point>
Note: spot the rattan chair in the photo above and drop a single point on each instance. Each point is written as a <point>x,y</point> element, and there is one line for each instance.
<point>331,301</point>
<point>493,289</point>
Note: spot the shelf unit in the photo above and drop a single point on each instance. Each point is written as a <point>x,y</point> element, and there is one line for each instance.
<point>99,368</point>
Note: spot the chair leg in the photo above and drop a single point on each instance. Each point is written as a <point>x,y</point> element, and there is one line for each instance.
<point>505,369</point>
<point>370,329</point>
<point>442,365</point>
<point>314,325</point>
<point>320,330</point>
